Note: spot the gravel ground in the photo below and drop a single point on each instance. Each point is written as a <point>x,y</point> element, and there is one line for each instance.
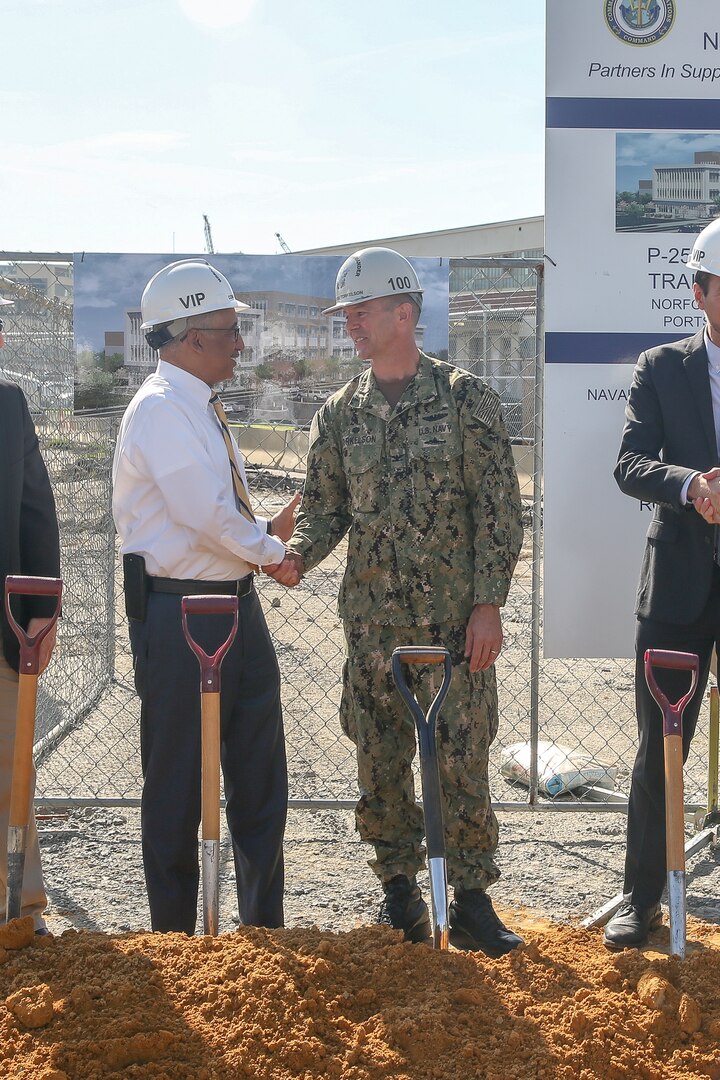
<point>556,865</point>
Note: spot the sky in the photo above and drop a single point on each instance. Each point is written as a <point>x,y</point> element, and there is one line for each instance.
<point>124,123</point>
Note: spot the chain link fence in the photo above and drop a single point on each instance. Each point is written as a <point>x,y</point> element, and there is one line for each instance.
<point>87,739</point>
<point>39,355</point>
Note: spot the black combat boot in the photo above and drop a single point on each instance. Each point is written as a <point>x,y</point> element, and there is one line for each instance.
<point>404,908</point>
<point>475,926</point>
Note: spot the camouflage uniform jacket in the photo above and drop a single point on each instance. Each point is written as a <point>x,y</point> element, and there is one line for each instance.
<point>428,490</point>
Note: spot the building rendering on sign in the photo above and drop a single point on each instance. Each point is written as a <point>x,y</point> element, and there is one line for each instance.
<point>688,191</point>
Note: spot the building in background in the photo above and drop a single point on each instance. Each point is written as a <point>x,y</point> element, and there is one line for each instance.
<point>51,279</point>
<point>500,238</point>
<point>39,353</point>
<point>688,191</point>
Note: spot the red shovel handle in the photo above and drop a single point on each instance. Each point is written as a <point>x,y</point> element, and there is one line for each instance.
<point>677,661</point>
<point>209,665</point>
<point>30,646</point>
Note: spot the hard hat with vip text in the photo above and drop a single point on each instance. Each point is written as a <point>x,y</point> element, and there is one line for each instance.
<point>185,288</point>
<point>705,254</point>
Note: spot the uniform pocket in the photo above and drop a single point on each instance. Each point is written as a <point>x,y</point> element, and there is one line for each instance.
<point>437,470</point>
<point>364,478</point>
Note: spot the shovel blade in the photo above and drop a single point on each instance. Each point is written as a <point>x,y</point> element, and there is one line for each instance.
<point>678,917</point>
<point>211,885</point>
<point>17,836</point>
<point>439,903</point>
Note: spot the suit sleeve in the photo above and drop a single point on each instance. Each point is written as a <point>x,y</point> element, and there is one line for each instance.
<point>39,532</point>
<point>640,471</point>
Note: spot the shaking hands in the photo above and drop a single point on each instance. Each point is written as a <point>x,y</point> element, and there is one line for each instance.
<point>289,571</point>
<point>704,493</point>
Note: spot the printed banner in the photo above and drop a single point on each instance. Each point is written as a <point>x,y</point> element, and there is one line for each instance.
<point>287,338</point>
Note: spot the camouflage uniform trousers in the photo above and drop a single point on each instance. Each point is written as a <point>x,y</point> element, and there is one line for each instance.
<point>379,723</point>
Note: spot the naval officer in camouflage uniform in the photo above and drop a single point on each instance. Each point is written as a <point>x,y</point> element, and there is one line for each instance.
<point>412,457</point>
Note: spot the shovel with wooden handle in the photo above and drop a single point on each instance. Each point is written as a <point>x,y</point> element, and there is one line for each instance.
<point>210,736</point>
<point>429,776</point>
<point>674,795</point>
<point>29,672</point>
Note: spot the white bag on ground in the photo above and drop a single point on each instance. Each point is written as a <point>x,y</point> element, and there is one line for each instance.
<point>560,769</point>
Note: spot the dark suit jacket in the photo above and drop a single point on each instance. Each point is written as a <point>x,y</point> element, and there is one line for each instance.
<point>669,435</point>
<point>29,540</point>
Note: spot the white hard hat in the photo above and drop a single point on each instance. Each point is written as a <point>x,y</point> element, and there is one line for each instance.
<point>373,272</point>
<point>179,290</point>
<point>706,250</point>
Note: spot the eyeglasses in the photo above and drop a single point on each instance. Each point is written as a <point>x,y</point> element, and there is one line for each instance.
<point>234,330</point>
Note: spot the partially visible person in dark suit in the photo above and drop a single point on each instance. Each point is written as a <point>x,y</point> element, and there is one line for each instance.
<point>29,545</point>
<point>669,456</point>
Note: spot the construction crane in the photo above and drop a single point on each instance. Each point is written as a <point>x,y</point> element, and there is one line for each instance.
<point>208,236</point>
<point>283,245</point>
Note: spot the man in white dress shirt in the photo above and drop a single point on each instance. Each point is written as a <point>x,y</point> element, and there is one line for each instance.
<point>186,526</point>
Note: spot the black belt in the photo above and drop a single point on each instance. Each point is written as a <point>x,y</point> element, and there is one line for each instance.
<point>200,588</point>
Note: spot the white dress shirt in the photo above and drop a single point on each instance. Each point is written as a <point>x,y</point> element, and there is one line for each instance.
<point>173,497</point>
<point>713,352</point>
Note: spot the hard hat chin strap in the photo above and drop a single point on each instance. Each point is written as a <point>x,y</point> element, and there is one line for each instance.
<point>165,333</point>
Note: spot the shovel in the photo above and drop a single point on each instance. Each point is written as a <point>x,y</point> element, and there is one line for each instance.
<point>429,776</point>
<point>210,721</point>
<point>29,672</point>
<point>674,798</point>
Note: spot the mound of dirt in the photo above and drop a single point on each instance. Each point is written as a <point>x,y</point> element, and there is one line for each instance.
<point>304,1004</point>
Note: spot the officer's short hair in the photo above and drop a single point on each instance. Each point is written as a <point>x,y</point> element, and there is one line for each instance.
<point>406,298</point>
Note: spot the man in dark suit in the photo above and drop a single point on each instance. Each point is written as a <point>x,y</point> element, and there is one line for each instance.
<point>669,456</point>
<point>29,545</point>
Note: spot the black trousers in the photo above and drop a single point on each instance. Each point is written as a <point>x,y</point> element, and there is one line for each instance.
<point>645,860</point>
<point>252,753</point>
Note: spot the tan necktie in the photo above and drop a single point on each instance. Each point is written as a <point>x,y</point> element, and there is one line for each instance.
<point>241,492</point>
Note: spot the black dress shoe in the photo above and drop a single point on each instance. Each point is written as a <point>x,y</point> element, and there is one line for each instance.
<point>630,925</point>
<point>404,909</point>
<point>475,925</point>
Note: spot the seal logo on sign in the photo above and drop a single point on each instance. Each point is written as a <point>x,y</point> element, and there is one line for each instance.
<point>640,22</point>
